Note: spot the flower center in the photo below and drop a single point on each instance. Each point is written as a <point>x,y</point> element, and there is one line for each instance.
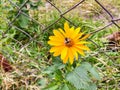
<point>68,42</point>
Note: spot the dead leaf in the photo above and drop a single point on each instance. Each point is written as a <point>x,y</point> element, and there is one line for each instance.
<point>5,64</point>
<point>113,41</point>
<point>115,37</point>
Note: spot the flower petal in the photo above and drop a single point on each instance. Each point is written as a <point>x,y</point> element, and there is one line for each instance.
<point>55,43</point>
<point>77,30</point>
<point>71,32</point>
<point>65,59</point>
<point>56,39</point>
<point>64,53</point>
<point>64,34</point>
<point>79,51</point>
<point>71,56</point>
<point>78,36</point>
<point>66,27</point>
<point>58,34</point>
<point>85,37</point>
<point>75,53</point>
<point>82,42</point>
<point>75,33</point>
<point>57,50</point>
<point>82,47</point>
<point>53,49</point>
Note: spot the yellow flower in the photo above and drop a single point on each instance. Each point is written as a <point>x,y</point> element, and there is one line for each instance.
<point>68,43</point>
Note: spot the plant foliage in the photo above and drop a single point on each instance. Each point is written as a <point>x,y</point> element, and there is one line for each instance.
<point>80,77</point>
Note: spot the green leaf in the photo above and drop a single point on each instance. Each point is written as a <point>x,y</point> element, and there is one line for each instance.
<point>86,65</point>
<point>23,21</point>
<point>21,1</point>
<point>71,87</point>
<point>35,65</point>
<point>58,75</point>
<point>9,36</point>
<point>65,87</point>
<point>53,88</point>
<point>53,68</point>
<point>49,70</point>
<point>94,73</point>
<point>91,86</point>
<point>42,82</point>
<point>91,69</point>
<point>79,78</point>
